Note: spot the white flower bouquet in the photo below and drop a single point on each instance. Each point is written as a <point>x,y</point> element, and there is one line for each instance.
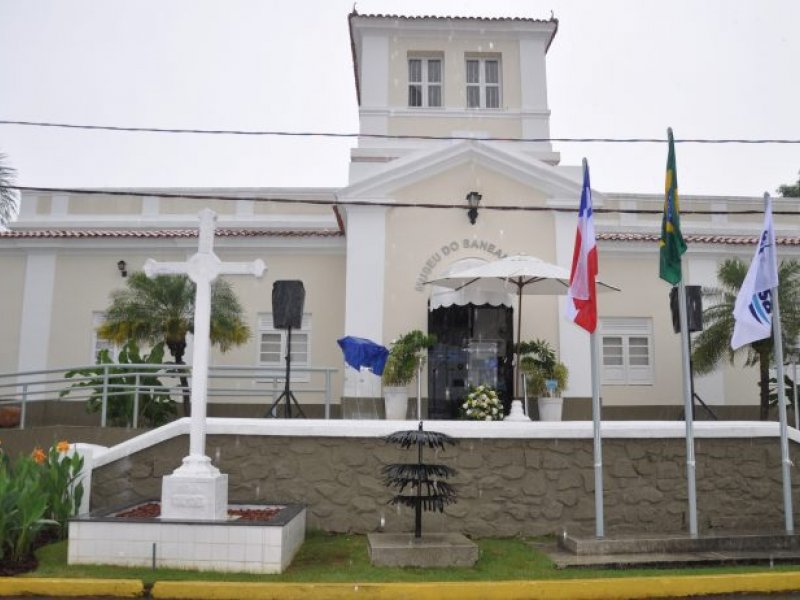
<point>482,404</point>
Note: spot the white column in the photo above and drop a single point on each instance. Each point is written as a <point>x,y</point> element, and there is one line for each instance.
<point>28,205</point>
<point>37,310</point>
<point>374,82</point>
<point>535,119</point>
<point>366,269</point>
<point>59,206</point>
<point>151,206</point>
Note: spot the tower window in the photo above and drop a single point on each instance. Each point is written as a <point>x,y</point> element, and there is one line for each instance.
<point>483,83</point>
<point>424,82</point>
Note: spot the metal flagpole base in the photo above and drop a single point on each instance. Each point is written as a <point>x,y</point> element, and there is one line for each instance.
<point>516,413</point>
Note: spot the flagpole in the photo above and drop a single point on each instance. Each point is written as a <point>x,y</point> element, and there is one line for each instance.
<point>672,248</point>
<point>688,410</point>
<point>785,460</point>
<point>598,440</point>
<point>777,336</point>
<point>794,390</point>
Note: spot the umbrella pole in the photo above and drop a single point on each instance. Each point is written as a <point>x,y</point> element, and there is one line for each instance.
<point>517,386</point>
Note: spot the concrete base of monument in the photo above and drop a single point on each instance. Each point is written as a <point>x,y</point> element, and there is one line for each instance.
<point>245,541</point>
<point>194,497</point>
<point>430,550</point>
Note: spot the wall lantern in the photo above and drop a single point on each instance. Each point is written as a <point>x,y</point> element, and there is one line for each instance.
<point>473,199</point>
<point>122,266</point>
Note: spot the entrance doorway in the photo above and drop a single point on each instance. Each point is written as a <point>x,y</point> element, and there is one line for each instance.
<point>474,346</point>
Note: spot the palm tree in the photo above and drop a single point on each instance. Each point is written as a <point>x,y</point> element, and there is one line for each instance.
<point>714,342</point>
<point>8,200</point>
<point>162,309</point>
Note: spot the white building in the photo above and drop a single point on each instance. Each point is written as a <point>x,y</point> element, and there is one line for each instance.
<point>364,251</point>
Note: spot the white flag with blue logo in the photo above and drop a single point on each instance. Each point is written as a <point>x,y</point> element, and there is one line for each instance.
<point>753,309</point>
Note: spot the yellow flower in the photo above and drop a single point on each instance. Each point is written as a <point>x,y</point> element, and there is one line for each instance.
<point>39,455</point>
<point>63,446</point>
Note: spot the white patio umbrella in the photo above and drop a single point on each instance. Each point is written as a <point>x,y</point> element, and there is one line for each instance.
<point>520,274</point>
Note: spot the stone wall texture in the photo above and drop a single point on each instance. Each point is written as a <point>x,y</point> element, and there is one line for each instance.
<point>506,487</point>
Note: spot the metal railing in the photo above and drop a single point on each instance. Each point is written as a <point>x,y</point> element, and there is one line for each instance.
<point>134,383</point>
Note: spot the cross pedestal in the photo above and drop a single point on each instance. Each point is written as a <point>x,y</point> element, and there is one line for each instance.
<point>197,489</point>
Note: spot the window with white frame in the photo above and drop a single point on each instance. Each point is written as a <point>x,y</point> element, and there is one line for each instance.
<point>626,346</point>
<point>425,82</point>
<point>483,82</point>
<point>272,346</point>
<point>99,343</point>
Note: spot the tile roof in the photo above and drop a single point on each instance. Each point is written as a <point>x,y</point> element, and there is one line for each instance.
<point>450,18</point>
<point>168,233</point>
<point>732,240</point>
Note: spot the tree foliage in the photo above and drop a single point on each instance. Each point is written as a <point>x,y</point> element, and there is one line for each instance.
<point>8,199</point>
<point>714,342</point>
<point>790,190</point>
<point>161,309</point>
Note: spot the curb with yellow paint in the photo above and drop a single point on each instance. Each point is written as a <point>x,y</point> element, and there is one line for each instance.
<point>64,587</point>
<point>611,588</point>
<point>568,589</point>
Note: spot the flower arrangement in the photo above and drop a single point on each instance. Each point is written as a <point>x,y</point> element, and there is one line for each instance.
<point>482,404</point>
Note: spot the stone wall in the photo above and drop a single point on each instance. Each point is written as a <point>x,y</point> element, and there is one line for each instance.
<point>506,487</point>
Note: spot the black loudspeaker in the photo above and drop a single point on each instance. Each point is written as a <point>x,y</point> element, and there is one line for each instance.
<point>694,308</point>
<point>288,298</point>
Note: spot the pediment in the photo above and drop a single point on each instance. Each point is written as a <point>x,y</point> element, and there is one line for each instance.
<point>549,181</point>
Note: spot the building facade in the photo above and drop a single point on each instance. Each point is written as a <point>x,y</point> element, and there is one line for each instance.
<point>441,102</point>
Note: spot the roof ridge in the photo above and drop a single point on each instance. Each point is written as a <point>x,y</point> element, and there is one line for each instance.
<point>552,19</point>
<point>168,233</point>
<point>702,238</point>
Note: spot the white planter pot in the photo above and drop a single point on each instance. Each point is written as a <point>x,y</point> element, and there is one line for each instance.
<point>395,400</point>
<point>550,408</point>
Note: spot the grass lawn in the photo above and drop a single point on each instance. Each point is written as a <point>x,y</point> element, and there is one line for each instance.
<point>343,558</point>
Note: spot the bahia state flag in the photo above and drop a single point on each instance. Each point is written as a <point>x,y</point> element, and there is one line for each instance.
<point>672,245</point>
<point>753,308</point>
<point>581,307</point>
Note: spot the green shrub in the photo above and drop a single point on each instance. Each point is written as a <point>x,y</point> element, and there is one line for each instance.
<point>59,478</point>
<point>156,406</point>
<point>36,492</point>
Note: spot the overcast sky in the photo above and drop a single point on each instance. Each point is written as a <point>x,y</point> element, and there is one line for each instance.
<point>711,68</point>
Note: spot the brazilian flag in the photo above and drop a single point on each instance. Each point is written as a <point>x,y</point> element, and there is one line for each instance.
<point>671,244</point>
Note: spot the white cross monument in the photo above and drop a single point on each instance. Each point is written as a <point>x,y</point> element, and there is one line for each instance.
<point>197,489</point>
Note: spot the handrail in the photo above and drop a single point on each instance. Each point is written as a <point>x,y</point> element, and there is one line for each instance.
<point>26,387</point>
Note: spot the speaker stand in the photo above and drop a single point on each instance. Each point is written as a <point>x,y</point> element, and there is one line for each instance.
<point>286,395</point>
<point>695,396</point>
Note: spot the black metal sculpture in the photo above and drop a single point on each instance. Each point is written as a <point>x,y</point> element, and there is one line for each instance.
<point>437,493</point>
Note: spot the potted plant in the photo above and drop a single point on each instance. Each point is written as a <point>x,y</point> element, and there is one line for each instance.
<point>405,355</point>
<point>545,376</point>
